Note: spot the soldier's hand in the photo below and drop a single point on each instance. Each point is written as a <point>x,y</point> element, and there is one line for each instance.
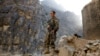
<point>52,31</point>
<point>48,26</point>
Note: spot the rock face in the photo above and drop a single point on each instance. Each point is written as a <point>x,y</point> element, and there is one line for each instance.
<point>91,20</point>
<point>21,25</point>
<point>73,46</point>
<point>90,49</point>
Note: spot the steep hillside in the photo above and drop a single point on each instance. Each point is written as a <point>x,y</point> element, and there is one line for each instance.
<point>69,22</point>
<point>21,25</point>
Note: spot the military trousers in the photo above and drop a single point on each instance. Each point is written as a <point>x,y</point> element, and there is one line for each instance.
<point>50,40</point>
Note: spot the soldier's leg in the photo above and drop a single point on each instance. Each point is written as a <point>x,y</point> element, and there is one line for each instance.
<point>52,41</point>
<point>47,43</point>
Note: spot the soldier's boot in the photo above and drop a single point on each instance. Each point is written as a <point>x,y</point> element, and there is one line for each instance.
<point>52,45</point>
<point>46,51</point>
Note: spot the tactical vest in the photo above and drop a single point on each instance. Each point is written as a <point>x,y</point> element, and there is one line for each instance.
<point>52,23</point>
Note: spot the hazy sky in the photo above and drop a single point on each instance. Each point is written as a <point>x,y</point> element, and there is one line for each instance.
<point>75,6</point>
<point>72,5</point>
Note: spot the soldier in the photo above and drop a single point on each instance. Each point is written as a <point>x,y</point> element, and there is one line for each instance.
<point>52,28</point>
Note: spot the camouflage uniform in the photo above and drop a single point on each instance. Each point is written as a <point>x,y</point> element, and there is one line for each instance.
<point>51,36</point>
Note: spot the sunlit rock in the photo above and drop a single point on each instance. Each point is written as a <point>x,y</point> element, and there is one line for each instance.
<point>91,20</point>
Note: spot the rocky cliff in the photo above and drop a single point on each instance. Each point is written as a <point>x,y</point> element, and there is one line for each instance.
<point>91,20</point>
<point>21,25</point>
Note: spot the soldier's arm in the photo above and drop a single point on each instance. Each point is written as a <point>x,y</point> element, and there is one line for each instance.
<point>48,26</point>
<point>57,25</point>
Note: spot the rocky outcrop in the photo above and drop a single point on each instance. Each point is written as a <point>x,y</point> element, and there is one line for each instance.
<point>91,20</point>
<point>21,25</point>
<point>92,48</point>
<point>73,46</point>
<point>68,45</point>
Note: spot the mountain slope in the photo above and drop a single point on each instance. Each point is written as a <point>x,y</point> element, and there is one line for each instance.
<point>69,22</point>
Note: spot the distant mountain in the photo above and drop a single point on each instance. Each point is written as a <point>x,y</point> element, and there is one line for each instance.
<point>69,22</point>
